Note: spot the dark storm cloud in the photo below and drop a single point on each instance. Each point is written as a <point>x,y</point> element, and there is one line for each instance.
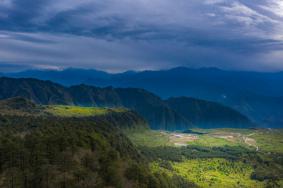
<point>142,34</point>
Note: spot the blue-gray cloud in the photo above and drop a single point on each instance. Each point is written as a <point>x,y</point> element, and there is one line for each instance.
<point>117,35</point>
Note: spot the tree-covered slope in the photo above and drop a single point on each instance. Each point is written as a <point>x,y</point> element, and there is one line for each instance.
<point>207,114</point>
<point>150,106</point>
<point>42,92</point>
<point>42,148</point>
<point>158,113</point>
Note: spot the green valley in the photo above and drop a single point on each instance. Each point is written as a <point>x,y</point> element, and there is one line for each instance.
<point>216,157</point>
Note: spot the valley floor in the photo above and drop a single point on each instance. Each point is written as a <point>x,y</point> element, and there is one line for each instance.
<point>216,157</point>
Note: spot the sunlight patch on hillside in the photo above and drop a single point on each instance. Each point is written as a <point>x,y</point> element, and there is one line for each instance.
<point>77,111</point>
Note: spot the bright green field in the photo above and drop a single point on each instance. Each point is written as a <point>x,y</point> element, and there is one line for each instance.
<point>77,111</point>
<point>215,173</point>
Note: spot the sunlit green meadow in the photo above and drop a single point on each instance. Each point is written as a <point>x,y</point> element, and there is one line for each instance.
<point>77,111</point>
<point>215,173</point>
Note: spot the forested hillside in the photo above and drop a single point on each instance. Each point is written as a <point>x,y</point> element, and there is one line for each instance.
<point>155,110</point>
<point>41,147</point>
<point>207,114</point>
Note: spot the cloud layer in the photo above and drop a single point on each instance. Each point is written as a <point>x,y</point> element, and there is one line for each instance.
<point>117,35</point>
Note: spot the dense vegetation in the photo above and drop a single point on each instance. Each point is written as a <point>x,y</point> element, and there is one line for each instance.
<point>156,111</point>
<point>264,169</point>
<point>43,149</point>
<point>61,153</point>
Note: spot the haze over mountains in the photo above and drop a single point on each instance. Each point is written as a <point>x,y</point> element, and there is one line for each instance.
<point>258,95</point>
<point>159,113</point>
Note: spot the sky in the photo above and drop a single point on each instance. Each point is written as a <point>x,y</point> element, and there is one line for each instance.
<point>120,35</point>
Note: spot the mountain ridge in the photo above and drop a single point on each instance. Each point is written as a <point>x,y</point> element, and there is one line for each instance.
<point>255,94</point>
<point>151,107</point>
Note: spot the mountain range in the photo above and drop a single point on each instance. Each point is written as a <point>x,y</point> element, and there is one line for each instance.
<point>161,114</point>
<point>259,95</point>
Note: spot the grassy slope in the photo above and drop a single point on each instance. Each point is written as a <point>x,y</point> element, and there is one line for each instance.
<point>77,111</point>
<point>269,140</point>
<point>206,140</point>
<point>23,107</point>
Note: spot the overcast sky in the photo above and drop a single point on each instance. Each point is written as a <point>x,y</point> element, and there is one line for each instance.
<point>119,35</point>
